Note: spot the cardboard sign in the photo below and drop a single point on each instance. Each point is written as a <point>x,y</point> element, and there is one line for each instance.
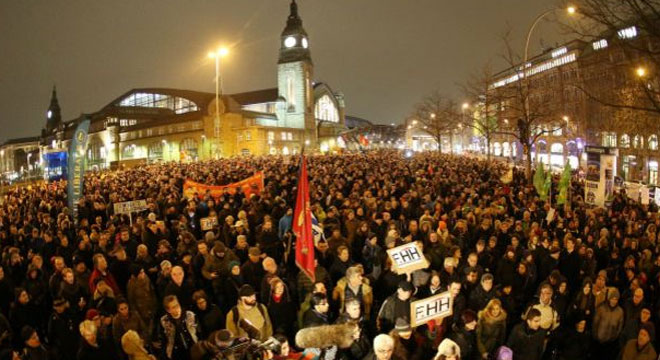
<point>407,258</point>
<point>208,223</point>
<point>434,307</point>
<point>128,207</point>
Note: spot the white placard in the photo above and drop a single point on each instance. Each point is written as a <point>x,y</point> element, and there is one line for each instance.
<point>434,307</point>
<point>407,258</point>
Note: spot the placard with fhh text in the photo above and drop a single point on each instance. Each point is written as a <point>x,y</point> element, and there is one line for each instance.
<point>407,258</point>
<point>434,307</point>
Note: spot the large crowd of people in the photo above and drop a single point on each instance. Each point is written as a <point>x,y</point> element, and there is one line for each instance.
<point>525,284</point>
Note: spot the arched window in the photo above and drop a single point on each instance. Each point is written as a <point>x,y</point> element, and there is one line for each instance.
<point>326,110</point>
<point>625,141</point>
<point>506,149</point>
<point>94,151</point>
<point>177,104</point>
<point>653,142</point>
<point>638,142</point>
<point>497,149</point>
<point>155,150</point>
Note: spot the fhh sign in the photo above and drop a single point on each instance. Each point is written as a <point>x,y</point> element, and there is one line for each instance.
<point>407,258</point>
<point>434,307</point>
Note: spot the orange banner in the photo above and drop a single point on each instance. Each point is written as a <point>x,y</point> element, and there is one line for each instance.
<point>252,185</point>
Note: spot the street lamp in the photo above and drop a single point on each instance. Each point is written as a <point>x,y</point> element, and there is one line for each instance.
<point>571,10</point>
<point>216,55</point>
<point>640,71</point>
<point>465,106</point>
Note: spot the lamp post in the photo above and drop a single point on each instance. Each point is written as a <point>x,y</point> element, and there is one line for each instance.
<point>216,55</point>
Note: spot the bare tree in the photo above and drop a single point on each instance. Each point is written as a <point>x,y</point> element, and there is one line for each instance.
<point>522,100</point>
<point>482,117</point>
<point>613,20</point>
<point>437,116</point>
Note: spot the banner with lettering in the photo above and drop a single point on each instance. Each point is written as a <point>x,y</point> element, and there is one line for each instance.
<point>77,156</point>
<point>252,185</point>
<point>430,308</point>
<point>407,258</point>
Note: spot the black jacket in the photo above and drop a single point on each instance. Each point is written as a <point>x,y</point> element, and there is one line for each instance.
<point>527,344</point>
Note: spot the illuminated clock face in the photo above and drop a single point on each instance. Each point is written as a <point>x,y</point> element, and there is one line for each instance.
<point>49,114</point>
<point>290,42</point>
<point>304,43</point>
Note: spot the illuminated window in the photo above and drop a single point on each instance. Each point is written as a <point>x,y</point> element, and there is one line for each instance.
<point>625,141</point>
<point>289,136</point>
<point>627,33</point>
<point>176,104</point>
<point>248,135</point>
<point>283,135</point>
<point>600,44</point>
<point>326,109</point>
<point>638,142</point>
<point>271,135</point>
<point>653,142</point>
<point>609,139</point>
<point>559,52</point>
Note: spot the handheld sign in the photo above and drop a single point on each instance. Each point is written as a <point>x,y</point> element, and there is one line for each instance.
<point>407,258</point>
<point>208,223</point>
<point>434,307</point>
<point>129,207</point>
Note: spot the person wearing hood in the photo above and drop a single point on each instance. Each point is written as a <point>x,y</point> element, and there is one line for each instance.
<point>33,348</point>
<point>641,347</point>
<point>607,325</point>
<point>448,350</point>
<point>527,338</point>
<point>491,328</point>
<point>133,346</point>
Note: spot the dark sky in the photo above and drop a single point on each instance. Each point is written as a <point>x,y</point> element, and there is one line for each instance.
<point>383,54</point>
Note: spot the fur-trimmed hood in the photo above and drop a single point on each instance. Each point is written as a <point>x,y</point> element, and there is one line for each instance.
<point>326,336</point>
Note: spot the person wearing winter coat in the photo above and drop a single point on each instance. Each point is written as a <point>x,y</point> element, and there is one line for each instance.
<point>125,320</point>
<point>142,297</point>
<point>361,345</point>
<point>33,348</point>
<point>209,315</point>
<point>583,303</point>
<point>357,287</point>
<point>491,328</point>
<point>480,296</point>
<point>527,338</point>
<point>576,342</point>
<point>91,348</point>
<point>133,346</point>
<point>281,309</point>
<point>464,335</point>
<point>405,343</point>
<point>178,330</point>
<point>63,335</point>
<point>395,306</point>
<point>639,348</point>
<point>607,325</point>
<point>22,313</point>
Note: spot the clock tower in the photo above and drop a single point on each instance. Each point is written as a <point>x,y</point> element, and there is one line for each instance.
<point>53,115</point>
<point>294,74</point>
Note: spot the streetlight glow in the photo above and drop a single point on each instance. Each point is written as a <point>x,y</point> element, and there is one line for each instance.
<point>571,10</point>
<point>565,118</point>
<point>465,106</point>
<point>640,71</point>
<point>220,52</point>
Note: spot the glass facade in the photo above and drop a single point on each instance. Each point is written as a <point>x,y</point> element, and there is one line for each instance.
<point>177,104</point>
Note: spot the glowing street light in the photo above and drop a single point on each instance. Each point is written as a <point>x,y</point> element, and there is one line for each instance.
<point>216,55</point>
<point>640,71</point>
<point>571,10</point>
<point>465,106</point>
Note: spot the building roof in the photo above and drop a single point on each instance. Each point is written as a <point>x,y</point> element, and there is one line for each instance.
<point>256,97</point>
<point>201,99</point>
<point>21,140</point>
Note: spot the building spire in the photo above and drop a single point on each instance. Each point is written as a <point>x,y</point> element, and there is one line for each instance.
<point>294,9</point>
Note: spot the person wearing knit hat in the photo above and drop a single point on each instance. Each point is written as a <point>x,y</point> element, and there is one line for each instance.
<point>607,325</point>
<point>92,314</point>
<point>448,350</point>
<point>232,264</point>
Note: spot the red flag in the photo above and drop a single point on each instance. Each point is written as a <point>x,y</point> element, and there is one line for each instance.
<point>302,225</point>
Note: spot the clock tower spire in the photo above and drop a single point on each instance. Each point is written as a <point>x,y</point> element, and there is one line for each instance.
<point>294,74</point>
<point>53,115</point>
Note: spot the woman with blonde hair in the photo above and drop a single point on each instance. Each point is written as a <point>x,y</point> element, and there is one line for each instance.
<point>491,328</point>
<point>133,346</point>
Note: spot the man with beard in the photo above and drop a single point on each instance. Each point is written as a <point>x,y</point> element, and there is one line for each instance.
<point>248,309</point>
<point>178,331</point>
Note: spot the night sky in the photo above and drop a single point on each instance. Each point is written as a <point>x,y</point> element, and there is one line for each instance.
<point>383,54</point>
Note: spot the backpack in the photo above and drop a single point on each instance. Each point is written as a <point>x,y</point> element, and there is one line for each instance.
<point>235,315</point>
